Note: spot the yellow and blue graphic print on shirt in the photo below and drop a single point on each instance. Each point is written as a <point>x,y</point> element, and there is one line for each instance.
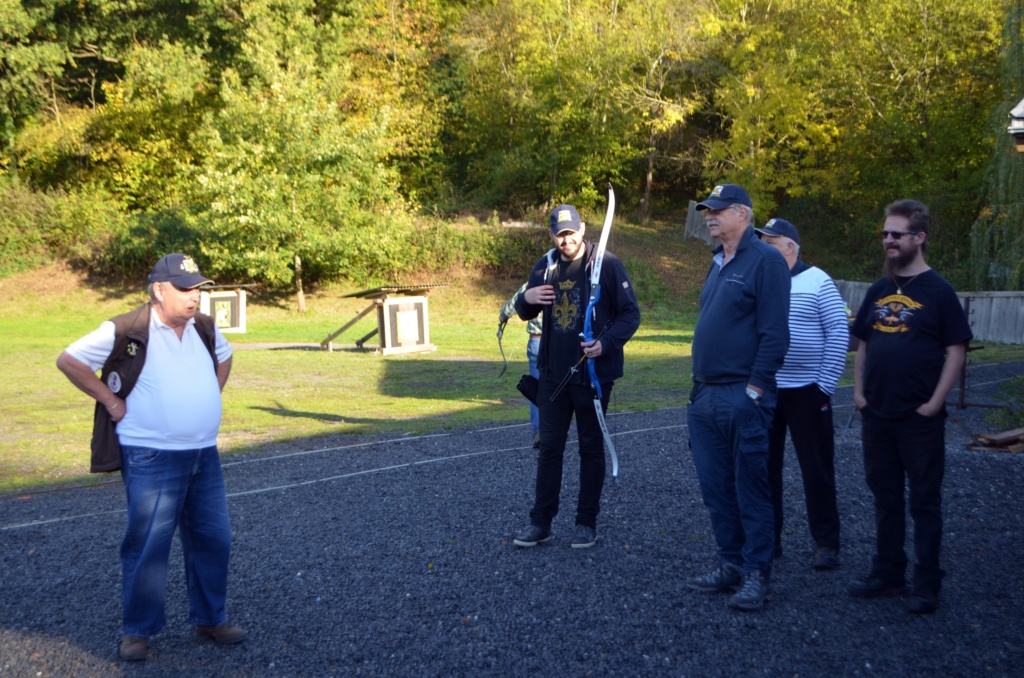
<point>895,313</point>
<point>567,308</point>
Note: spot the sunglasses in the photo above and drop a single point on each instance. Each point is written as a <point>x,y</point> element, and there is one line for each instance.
<point>896,235</point>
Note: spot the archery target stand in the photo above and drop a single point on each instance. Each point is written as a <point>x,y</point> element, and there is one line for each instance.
<point>226,305</point>
<point>403,322</point>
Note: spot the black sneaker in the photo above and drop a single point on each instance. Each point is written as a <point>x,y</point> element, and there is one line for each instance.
<point>532,535</point>
<point>583,537</point>
<point>923,602</point>
<point>536,441</point>
<point>875,587</point>
<point>825,558</point>
<point>753,593</point>
<point>726,577</point>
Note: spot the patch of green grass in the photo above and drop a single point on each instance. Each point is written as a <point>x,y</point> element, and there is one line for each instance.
<point>1011,414</point>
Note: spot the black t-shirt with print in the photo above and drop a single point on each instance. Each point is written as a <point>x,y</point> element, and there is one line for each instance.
<point>907,335</point>
<point>563,340</point>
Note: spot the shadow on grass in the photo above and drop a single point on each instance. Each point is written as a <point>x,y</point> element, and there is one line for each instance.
<point>280,410</point>
<point>681,338</point>
<point>650,382</point>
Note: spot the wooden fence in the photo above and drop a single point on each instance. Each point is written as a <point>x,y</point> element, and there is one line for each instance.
<point>994,316</point>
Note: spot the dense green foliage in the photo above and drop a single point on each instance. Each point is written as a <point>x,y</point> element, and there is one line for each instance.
<point>997,237</point>
<point>339,134</point>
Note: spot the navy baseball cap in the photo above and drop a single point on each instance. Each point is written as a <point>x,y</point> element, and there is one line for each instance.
<point>179,270</point>
<point>565,218</point>
<point>780,227</point>
<point>725,195</point>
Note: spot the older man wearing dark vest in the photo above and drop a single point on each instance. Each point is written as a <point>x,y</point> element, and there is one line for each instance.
<point>159,391</point>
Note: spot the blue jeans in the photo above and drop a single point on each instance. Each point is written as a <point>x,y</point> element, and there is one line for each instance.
<point>532,349</point>
<point>729,443</point>
<point>168,490</point>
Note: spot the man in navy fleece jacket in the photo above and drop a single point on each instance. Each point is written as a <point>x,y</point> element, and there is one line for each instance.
<point>740,341</point>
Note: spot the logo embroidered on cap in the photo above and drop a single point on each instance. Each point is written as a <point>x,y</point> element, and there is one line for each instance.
<point>188,265</point>
<point>564,215</point>
<point>717,193</point>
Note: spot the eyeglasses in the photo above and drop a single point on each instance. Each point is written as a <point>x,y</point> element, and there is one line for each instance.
<point>896,235</point>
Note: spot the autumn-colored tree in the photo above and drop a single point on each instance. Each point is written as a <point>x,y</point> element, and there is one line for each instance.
<point>830,109</point>
<point>544,114</point>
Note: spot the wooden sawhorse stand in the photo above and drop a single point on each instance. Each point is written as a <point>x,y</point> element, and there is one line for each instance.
<point>402,319</point>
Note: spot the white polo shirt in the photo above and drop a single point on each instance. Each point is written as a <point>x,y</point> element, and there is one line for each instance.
<point>176,403</point>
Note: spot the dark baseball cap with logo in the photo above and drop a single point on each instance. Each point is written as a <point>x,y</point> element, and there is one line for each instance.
<point>565,218</point>
<point>725,195</point>
<point>179,270</point>
<point>780,227</point>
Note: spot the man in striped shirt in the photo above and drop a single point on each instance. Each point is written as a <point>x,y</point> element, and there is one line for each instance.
<point>818,340</point>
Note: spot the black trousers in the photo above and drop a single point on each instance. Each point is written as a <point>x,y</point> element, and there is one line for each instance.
<point>807,413</point>
<point>899,454</point>
<point>555,417</point>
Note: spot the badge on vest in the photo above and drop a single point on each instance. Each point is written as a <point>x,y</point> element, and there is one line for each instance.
<point>132,349</point>
<point>114,382</point>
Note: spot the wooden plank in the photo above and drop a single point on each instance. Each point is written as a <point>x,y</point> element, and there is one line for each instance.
<point>1002,439</point>
<point>331,337</point>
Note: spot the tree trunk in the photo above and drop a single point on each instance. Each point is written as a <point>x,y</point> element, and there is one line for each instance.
<point>299,296</point>
<point>645,204</point>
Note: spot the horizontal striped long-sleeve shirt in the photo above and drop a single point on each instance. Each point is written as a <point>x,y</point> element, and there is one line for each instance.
<point>819,332</point>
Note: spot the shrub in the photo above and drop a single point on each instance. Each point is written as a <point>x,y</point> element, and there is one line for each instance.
<point>84,221</point>
<point>26,216</point>
<point>137,241</point>
<point>499,250</point>
<point>37,227</point>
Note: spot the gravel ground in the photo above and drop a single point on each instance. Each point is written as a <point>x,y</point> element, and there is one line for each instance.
<point>394,557</point>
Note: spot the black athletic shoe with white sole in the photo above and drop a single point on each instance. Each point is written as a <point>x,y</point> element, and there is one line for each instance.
<point>532,535</point>
<point>583,537</point>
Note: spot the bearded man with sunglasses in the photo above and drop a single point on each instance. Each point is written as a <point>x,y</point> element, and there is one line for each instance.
<point>157,415</point>
<point>913,340</point>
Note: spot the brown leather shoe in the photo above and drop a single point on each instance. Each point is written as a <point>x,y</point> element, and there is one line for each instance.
<point>134,648</point>
<point>224,633</point>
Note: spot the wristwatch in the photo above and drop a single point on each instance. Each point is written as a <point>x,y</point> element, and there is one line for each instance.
<point>752,394</point>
